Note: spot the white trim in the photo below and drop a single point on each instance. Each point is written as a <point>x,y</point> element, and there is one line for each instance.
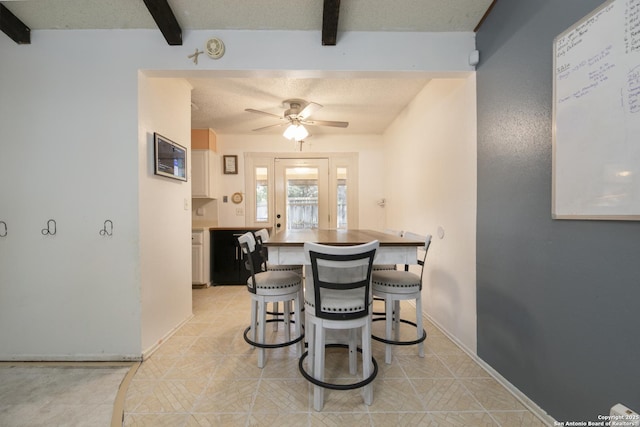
<point>148,352</point>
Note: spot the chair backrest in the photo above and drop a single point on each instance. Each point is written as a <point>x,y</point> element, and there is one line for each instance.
<point>341,273</point>
<point>262,236</point>
<point>424,249</point>
<point>251,257</point>
<point>394,232</point>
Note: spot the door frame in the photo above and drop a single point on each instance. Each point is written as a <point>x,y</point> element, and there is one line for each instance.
<point>336,160</point>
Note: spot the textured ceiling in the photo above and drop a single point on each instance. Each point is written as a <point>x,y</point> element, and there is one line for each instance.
<point>355,15</point>
<point>369,105</point>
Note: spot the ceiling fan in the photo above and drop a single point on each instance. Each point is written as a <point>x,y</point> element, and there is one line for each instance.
<point>296,116</point>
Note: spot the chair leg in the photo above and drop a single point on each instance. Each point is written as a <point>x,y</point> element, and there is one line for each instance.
<point>396,319</point>
<point>298,324</point>
<point>254,319</point>
<point>286,318</point>
<point>389,321</point>
<point>318,373</point>
<point>275,316</point>
<point>366,361</point>
<point>420,327</point>
<point>353,351</point>
<point>262,310</point>
<point>310,329</point>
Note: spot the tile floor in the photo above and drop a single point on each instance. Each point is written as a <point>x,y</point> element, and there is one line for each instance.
<point>59,394</point>
<point>206,375</point>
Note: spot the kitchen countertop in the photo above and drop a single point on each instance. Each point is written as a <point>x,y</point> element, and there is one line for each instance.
<point>241,228</point>
<point>212,225</point>
<point>203,225</point>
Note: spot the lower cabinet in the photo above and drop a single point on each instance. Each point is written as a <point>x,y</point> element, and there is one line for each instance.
<point>227,266</point>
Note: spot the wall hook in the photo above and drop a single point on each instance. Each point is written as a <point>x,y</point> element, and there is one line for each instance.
<point>107,230</point>
<point>3,229</point>
<point>51,229</point>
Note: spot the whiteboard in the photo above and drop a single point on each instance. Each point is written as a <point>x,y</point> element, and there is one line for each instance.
<point>596,115</point>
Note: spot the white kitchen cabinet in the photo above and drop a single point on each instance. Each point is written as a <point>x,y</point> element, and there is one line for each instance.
<point>204,174</point>
<point>200,257</point>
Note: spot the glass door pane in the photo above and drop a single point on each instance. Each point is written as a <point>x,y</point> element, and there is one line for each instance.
<point>262,194</point>
<point>341,192</point>
<point>302,194</point>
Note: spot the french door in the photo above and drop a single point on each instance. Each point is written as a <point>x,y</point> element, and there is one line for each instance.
<point>301,193</point>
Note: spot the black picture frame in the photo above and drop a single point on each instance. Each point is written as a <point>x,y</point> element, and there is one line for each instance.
<point>170,158</point>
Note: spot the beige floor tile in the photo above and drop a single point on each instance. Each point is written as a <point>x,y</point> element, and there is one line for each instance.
<point>176,345</point>
<point>463,419</point>
<point>194,366</point>
<point>137,391</point>
<point>342,401</point>
<point>217,420</point>
<point>339,419</point>
<point>492,395</point>
<point>193,329</point>
<point>428,367</point>
<point>282,396</point>
<point>155,420</point>
<point>155,367</point>
<point>227,396</point>
<point>445,395</point>
<point>462,366</point>
<point>396,395</point>
<point>441,345</point>
<point>173,396</point>
<point>282,368</point>
<point>401,419</point>
<point>238,367</point>
<point>393,370</point>
<point>517,419</point>
<point>281,420</point>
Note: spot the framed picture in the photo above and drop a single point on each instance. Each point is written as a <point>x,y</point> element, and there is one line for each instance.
<point>230,165</point>
<point>170,158</point>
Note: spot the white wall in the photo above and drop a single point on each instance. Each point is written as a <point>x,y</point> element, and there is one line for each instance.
<point>72,150</point>
<point>68,133</point>
<point>432,146</point>
<point>165,220</point>
<point>370,180</point>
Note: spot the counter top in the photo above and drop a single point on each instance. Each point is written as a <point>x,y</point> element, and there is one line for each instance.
<point>240,228</point>
<point>202,225</point>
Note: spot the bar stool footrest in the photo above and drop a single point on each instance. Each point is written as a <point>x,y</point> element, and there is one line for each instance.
<point>394,342</point>
<point>334,386</point>
<point>277,345</point>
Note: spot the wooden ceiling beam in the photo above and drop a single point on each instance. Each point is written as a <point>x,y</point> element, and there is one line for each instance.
<point>330,15</point>
<point>12,26</point>
<point>166,21</point>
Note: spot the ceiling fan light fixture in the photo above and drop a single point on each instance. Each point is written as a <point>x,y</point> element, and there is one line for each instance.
<point>296,132</point>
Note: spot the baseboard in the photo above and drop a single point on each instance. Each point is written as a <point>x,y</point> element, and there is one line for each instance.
<point>148,352</point>
<point>522,398</point>
<point>73,358</point>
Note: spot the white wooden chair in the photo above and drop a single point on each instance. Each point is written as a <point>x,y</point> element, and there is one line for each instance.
<point>394,286</point>
<point>338,296</point>
<point>262,236</point>
<point>265,287</point>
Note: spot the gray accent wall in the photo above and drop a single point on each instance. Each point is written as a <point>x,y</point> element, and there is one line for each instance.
<point>558,301</point>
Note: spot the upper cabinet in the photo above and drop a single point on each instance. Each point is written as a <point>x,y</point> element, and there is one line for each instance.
<point>205,165</point>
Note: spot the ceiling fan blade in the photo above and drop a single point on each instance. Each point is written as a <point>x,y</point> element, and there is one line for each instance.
<point>326,123</point>
<point>308,110</point>
<point>270,126</point>
<point>251,110</point>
